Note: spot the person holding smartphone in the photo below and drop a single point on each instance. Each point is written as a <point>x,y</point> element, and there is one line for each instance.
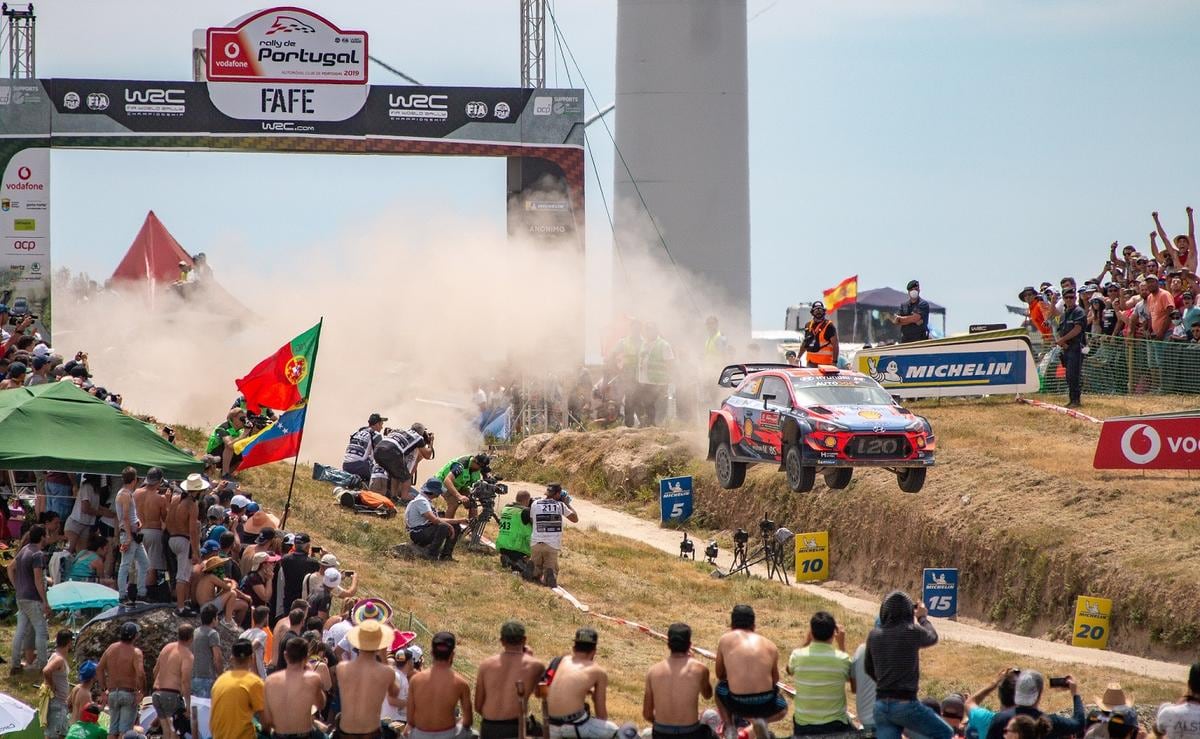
<point>1027,697</point>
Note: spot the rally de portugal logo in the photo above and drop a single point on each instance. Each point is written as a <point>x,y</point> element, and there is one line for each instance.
<point>296,370</point>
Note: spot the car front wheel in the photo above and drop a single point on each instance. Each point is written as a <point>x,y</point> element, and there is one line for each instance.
<point>800,477</point>
<point>838,478</point>
<point>730,473</point>
<point>911,479</point>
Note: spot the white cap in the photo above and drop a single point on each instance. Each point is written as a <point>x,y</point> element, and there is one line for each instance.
<point>332,578</point>
<point>239,501</point>
<point>328,560</point>
<point>41,350</point>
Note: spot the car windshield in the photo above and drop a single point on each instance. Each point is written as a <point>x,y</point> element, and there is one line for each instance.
<point>839,393</point>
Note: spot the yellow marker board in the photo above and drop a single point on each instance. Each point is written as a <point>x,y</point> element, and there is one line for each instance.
<point>1091,622</point>
<point>812,556</point>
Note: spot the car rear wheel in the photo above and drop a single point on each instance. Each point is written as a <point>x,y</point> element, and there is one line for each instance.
<point>838,478</point>
<point>911,479</point>
<point>800,477</point>
<point>730,473</point>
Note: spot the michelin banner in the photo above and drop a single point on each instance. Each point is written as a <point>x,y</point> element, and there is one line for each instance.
<point>983,366</point>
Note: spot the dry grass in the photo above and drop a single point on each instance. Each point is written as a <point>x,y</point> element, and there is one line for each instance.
<point>1014,502</point>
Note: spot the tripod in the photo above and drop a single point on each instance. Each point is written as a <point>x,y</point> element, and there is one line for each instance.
<point>772,551</point>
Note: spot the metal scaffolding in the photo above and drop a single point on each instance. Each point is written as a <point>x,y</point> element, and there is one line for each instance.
<point>533,43</point>
<point>18,41</point>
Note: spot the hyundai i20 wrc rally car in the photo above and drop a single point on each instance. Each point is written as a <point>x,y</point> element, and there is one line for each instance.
<point>805,419</point>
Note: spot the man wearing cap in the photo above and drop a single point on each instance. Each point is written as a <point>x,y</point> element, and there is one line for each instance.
<point>546,540</point>
<point>913,315</point>
<point>497,699</point>
<point>577,678</point>
<point>260,579</point>
<point>182,525</point>
<point>671,701</point>
<point>360,450</point>
<point>321,600</point>
<point>315,581</point>
<point>365,681</point>
<point>268,541</point>
<point>822,669</point>
<point>434,694</point>
<point>292,695</point>
<point>237,696</point>
<point>435,537</point>
<point>1071,327</point>
<point>1027,696</point>
<point>41,372</point>
<point>459,475</point>
<point>1181,719</point>
<point>122,672</point>
<point>954,712</point>
<point>151,503</point>
<point>747,668</point>
<point>87,727</point>
<point>81,694</point>
<point>292,569</point>
<point>1038,310</point>
<point>395,708</point>
<point>15,378</point>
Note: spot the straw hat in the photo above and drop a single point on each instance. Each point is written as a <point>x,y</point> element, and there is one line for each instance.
<point>214,562</point>
<point>371,636</point>
<point>1113,696</point>
<point>195,483</point>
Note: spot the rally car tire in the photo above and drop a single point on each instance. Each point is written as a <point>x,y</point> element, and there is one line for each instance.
<point>838,478</point>
<point>730,473</point>
<point>800,477</point>
<point>911,479</point>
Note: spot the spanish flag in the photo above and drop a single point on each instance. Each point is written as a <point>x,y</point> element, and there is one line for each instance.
<point>844,293</point>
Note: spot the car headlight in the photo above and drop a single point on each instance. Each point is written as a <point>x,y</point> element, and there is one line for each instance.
<point>828,427</point>
<point>916,425</point>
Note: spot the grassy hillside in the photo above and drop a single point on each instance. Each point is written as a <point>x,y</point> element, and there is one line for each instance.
<point>1014,503</point>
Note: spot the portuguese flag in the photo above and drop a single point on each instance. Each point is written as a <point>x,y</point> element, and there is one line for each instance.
<point>281,381</point>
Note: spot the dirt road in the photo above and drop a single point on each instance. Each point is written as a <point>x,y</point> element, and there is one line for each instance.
<point>622,524</point>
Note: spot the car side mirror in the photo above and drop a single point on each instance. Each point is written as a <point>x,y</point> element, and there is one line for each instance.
<point>896,400</point>
<point>766,398</point>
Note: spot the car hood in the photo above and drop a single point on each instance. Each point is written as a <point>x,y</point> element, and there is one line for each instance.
<point>869,417</point>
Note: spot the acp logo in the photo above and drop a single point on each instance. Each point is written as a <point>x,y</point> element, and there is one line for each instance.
<point>288,24</point>
<point>1152,437</point>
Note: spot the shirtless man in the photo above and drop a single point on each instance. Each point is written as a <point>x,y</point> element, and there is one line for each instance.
<point>577,677</point>
<point>433,694</point>
<point>496,698</point>
<point>279,633</point>
<point>213,586</point>
<point>151,506</point>
<point>291,695</point>
<point>173,680</point>
<point>81,694</point>
<point>673,690</point>
<point>55,676</point>
<point>122,672</point>
<point>182,524</point>
<point>365,682</point>
<point>747,673</point>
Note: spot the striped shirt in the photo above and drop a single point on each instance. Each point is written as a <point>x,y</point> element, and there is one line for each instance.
<point>820,672</point>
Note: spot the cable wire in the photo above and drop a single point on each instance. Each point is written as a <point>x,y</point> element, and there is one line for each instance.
<point>393,70</point>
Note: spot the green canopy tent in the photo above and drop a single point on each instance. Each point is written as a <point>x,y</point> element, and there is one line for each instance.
<point>59,427</point>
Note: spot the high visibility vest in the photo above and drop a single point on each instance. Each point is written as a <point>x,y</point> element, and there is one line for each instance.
<point>514,533</point>
<point>629,348</point>
<point>822,353</point>
<point>464,479</point>
<point>712,346</point>
<point>657,368</point>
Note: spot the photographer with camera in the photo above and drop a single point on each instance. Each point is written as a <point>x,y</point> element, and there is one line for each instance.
<point>434,537</point>
<point>360,449</point>
<point>223,437</point>
<point>459,475</point>
<point>516,529</point>
<point>546,539</point>
<point>399,452</point>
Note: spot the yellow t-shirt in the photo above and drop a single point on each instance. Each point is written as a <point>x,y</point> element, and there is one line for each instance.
<point>236,696</point>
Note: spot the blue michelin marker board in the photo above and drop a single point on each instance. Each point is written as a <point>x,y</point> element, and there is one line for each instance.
<point>940,593</point>
<point>675,499</point>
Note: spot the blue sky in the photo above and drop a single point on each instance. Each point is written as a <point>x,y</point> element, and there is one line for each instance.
<point>977,145</point>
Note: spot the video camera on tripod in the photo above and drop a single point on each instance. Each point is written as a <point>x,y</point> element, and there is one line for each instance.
<point>482,502</point>
<point>772,551</point>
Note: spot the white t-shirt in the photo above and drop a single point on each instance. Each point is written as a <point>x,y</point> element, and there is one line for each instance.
<point>547,518</point>
<point>87,491</point>
<point>864,695</point>
<point>1179,720</point>
<point>335,635</point>
<point>414,512</point>
<point>258,639</point>
<point>390,712</point>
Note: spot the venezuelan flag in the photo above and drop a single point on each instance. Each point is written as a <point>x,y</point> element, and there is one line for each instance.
<point>278,441</point>
<point>844,293</point>
<point>282,379</point>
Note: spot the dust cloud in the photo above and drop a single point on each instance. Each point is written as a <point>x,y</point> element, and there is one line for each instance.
<point>412,325</point>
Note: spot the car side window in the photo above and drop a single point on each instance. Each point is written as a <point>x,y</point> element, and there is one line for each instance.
<point>751,388</point>
<point>777,387</point>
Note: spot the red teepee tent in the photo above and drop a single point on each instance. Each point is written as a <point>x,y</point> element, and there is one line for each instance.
<point>153,257</point>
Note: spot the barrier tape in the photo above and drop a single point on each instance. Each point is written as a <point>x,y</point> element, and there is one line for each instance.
<point>1059,409</point>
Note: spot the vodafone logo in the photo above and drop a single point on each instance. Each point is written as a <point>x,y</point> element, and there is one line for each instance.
<point>232,50</point>
<point>24,173</point>
<point>1152,437</point>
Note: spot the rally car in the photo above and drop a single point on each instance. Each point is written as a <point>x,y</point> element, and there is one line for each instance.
<point>805,419</point>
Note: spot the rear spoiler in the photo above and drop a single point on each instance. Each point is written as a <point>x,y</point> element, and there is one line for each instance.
<point>733,375</point>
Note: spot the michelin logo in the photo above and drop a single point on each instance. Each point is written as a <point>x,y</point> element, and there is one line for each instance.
<point>890,373</point>
<point>935,371</point>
